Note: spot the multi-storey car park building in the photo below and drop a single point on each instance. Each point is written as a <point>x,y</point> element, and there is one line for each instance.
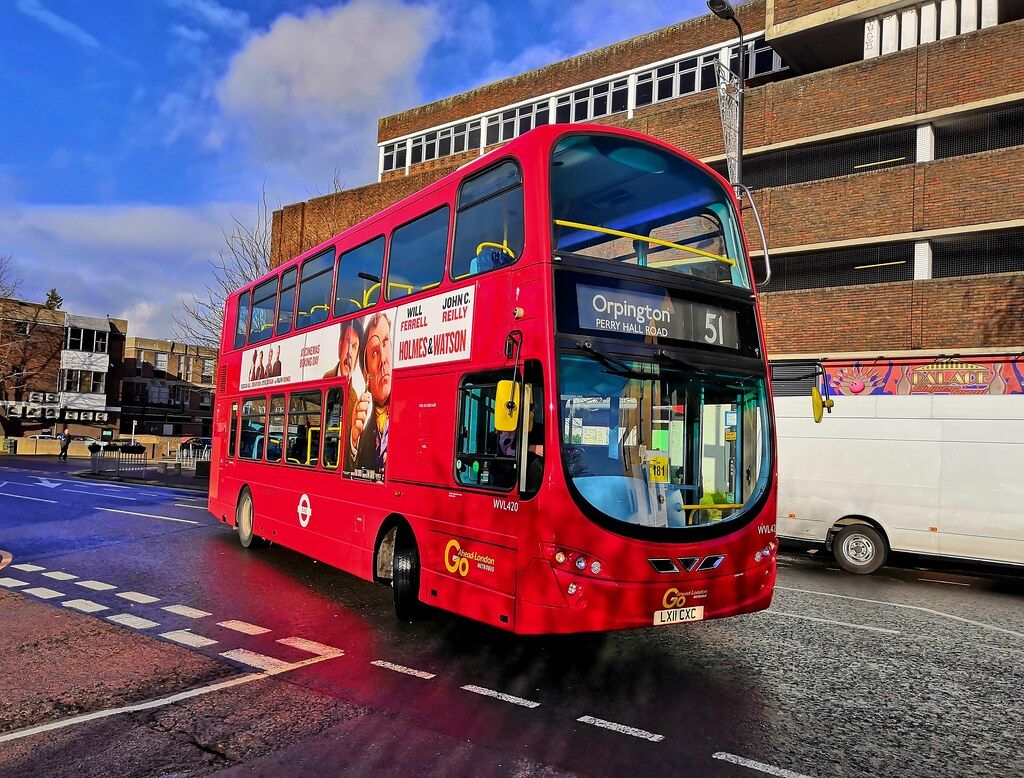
<point>884,143</point>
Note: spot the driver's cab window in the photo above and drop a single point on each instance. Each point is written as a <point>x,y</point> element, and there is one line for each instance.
<point>484,457</point>
<point>489,221</point>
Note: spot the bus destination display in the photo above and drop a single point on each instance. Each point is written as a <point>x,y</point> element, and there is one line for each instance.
<point>622,312</point>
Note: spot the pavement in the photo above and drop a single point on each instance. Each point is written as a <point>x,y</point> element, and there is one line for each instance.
<point>139,638</point>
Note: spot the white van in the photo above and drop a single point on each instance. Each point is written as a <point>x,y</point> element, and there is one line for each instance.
<point>938,474</point>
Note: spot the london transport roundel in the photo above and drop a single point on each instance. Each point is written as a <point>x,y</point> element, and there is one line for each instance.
<point>305,511</point>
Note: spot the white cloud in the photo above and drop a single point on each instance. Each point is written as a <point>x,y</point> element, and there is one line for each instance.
<point>138,261</point>
<point>305,95</point>
<point>58,24</point>
<point>190,34</point>
<point>214,14</point>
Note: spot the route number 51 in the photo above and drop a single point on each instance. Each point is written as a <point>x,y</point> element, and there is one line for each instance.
<point>713,328</point>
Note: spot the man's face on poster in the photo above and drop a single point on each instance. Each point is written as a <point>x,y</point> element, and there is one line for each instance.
<point>348,352</point>
<point>378,361</point>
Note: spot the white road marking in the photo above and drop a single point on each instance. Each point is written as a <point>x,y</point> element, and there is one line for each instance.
<point>948,583</point>
<point>187,638</point>
<point>138,597</point>
<point>147,515</point>
<point>28,568</point>
<point>46,482</point>
<point>781,772</point>
<point>86,606</point>
<point>43,593</point>
<point>774,612</point>
<point>11,583</point>
<point>401,669</point>
<point>641,733</point>
<point>101,494</point>
<point>162,701</point>
<point>59,576</point>
<point>243,626</point>
<point>251,658</point>
<point>23,497</point>
<point>981,624</point>
<point>501,696</point>
<point>135,622</point>
<point>310,646</point>
<point>193,507</point>
<point>187,612</point>
<point>96,586</point>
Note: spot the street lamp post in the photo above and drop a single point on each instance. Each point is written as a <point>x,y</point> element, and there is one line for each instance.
<point>723,10</point>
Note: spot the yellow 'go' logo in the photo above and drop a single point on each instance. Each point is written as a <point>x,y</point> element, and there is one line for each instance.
<point>673,599</point>
<point>454,562</point>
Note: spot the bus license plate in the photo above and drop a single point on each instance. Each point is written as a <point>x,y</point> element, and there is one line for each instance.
<point>679,615</point>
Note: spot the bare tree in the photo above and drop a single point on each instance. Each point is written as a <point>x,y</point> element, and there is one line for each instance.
<point>8,283</point>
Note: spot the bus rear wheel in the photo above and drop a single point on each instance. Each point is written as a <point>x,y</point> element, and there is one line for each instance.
<point>860,548</point>
<point>245,520</point>
<point>405,576</point>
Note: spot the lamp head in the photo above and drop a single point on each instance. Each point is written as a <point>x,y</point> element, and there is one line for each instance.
<point>722,9</point>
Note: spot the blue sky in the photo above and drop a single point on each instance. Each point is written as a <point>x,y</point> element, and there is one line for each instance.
<point>134,131</point>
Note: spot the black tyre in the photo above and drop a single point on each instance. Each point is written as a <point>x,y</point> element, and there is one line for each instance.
<point>405,576</point>
<point>860,548</point>
<point>245,520</point>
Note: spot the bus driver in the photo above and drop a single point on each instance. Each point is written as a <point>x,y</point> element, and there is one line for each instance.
<point>369,434</point>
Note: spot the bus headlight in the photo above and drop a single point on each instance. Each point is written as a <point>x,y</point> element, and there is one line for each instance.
<point>581,563</point>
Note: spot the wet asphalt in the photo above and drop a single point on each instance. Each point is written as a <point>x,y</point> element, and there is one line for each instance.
<point>904,673</point>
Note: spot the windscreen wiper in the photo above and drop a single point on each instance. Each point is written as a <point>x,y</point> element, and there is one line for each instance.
<point>680,361</point>
<point>615,366</point>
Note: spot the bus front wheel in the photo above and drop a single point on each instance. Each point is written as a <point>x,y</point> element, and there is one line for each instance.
<point>405,576</point>
<point>245,520</point>
<point>860,548</point>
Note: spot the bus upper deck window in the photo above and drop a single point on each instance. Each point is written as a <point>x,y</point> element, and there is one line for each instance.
<point>286,303</point>
<point>315,290</point>
<point>242,320</point>
<point>489,223</point>
<point>359,274</point>
<point>418,254</point>
<point>264,301</point>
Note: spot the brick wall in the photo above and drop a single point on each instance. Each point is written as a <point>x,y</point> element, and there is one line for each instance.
<point>661,44</point>
<point>783,11</point>
<point>953,313</point>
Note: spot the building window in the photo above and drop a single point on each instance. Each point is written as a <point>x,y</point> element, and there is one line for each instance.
<point>418,253</point>
<point>315,284</point>
<point>207,371</point>
<point>879,264</point>
<point>359,277</point>
<point>101,343</point>
<point>161,361</point>
<point>968,255</point>
<point>205,398</point>
<point>22,328</point>
<point>99,383</point>
<point>980,132</point>
<point>74,339</point>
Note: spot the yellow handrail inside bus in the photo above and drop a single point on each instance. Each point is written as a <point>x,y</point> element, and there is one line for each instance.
<point>501,246</point>
<point>647,239</point>
<point>329,465</point>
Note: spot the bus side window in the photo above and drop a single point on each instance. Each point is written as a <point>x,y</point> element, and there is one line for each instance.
<point>304,428</point>
<point>333,411</point>
<point>286,303</point>
<point>419,251</point>
<point>315,285</point>
<point>275,428</point>
<point>483,457</point>
<point>234,430</point>
<point>359,274</point>
<point>253,439</point>
<point>242,320</point>
<point>489,222</point>
<point>264,304</point>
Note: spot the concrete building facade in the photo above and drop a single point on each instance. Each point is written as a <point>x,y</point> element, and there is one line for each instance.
<point>884,143</point>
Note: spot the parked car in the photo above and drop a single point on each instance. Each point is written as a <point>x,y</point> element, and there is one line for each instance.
<point>195,446</point>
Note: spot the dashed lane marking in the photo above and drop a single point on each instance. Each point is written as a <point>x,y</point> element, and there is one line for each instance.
<point>28,568</point>
<point>187,612</point>
<point>142,599</point>
<point>401,669</point>
<point>11,583</point>
<point>135,622</point>
<point>25,497</point>
<point>774,612</point>
<point>148,515</point>
<point>86,606</point>
<point>918,608</point>
<point>193,507</point>
<point>243,626</point>
<point>501,696</point>
<point>43,593</point>
<point>621,728</point>
<point>310,646</point>
<point>251,658</point>
<point>96,586</point>
<point>187,638</point>
<point>60,576</point>
<point>781,772</point>
<point>947,583</point>
<point>163,701</point>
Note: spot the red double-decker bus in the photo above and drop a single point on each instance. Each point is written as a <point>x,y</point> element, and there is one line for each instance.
<point>533,393</point>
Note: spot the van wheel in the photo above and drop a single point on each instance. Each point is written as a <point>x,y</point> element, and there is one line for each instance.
<point>245,520</point>
<point>860,548</point>
<point>405,576</point>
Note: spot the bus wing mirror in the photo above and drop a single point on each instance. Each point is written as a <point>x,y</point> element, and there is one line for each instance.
<point>506,406</point>
<point>820,404</point>
<point>740,191</point>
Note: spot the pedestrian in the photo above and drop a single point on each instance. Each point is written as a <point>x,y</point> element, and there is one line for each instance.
<point>65,438</point>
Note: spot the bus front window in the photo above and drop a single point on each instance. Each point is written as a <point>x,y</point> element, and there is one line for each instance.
<point>659,446</point>
<point>625,201</point>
